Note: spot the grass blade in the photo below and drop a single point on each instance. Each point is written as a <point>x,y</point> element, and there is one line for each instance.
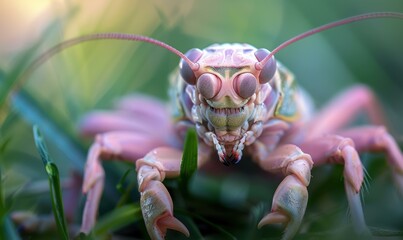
<point>119,186</point>
<point>189,157</point>
<point>125,191</point>
<point>54,183</point>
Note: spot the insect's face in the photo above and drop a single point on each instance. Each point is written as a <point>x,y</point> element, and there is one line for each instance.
<point>227,92</point>
<point>226,86</point>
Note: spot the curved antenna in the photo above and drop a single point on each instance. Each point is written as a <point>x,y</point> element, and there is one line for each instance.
<point>260,65</point>
<point>98,36</point>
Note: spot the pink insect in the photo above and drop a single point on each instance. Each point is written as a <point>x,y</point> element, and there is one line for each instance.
<point>242,102</point>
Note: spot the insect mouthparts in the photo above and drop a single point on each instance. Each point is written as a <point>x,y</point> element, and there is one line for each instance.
<point>227,111</point>
<point>230,160</point>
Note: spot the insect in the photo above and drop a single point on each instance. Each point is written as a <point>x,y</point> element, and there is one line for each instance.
<point>241,102</point>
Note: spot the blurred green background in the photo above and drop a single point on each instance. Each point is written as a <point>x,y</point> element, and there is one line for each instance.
<point>93,75</point>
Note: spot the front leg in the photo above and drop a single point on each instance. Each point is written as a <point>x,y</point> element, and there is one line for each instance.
<point>341,150</point>
<point>156,203</point>
<point>291,196</point>
<point>120,145</point>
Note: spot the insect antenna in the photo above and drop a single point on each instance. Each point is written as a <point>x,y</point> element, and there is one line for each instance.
<point>260,65</point>
<point>92,37</point>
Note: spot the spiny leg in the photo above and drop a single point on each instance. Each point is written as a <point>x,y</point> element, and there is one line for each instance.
<point>340,150</point>
<point>155,201</point>
<point>377,139</point>
<point>152,169</point>
<point>291,196</point>
<point>340,112</point>
<point>117,145</point>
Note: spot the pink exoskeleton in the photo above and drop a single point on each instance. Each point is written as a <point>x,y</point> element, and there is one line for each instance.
<point>242,102</point>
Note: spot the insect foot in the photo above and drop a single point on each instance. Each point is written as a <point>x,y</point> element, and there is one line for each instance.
<point>156,206</point>
<point>291,196</point>
<point>289,204</point>
<point>156,203</point>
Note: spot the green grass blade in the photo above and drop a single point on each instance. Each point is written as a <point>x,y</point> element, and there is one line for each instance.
<point>125,191</point>
<point>189,157</point>
<point>31,110</point>
<point>119,186</point>
<point>41,146</point>
<point>118,218</point>
<point>54,183</point>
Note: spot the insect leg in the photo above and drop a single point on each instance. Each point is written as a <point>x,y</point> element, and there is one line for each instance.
<point>377,139</point>
<point>132,113</point>
<point>343,109</point>
<point>291,196</point>
<point>156,203</point>
<point>117,145</point>
<point>340,150</point>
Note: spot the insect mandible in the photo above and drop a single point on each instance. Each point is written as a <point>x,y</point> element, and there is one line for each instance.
<point>241,102</point>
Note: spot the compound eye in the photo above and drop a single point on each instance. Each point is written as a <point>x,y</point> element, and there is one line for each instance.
<point>245,85</point>
<point>269,69</point>
<point>185,71</point>
<point>208,85</point>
